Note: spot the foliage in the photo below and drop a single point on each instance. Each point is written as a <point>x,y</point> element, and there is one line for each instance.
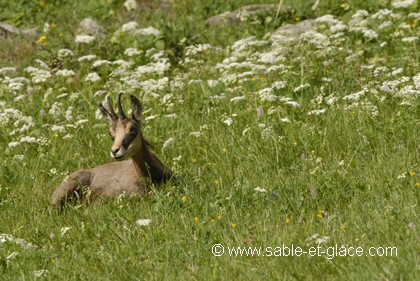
<point>309,140</point>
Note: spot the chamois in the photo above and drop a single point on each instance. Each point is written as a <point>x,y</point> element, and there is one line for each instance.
<point>132,176</point>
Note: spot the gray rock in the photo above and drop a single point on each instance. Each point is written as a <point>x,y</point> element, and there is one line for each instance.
<point>30,33</point>
<point>290,33</point>
<point>237,16</point>
<point>295,30</point>
<point>8,30</point>
<point>90,27</point>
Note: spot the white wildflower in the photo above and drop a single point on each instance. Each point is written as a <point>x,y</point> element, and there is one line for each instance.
<point>213,83</point>
<point>259,189</point>
<point>129,26</point>
<point>42,64</point>
<point>292,103</point>
<point>92,77</point>
<point>172,115</point>
<point>415,16</point>
<point>228,121</point>
<point>4,237</point>
<point>168,143</point>
<point>130,5</point>
<point>81,122</point>
<point>8,70</point>
<point>196,134</point>
<point>412,39</point>
<point>143,222</point>
<point>13,144</point>
<point>55,109</point>
<point>131,52</point>
<point>57,128</point>
<point>317,111</point>
<point>317,39</point>
<point>276,68</point>
<point>369,34</point>
<point>389,86</point>
<point>331,99</point>
<point>64,53</point>
<point>12,256</point>
<point>148,31</point>
<point>85,39</point>
<point>403,4</point>
<point>338,27</point>
<point>65,73</point>
<point>38,75</point>
<point>64,230</point>
<point>40,273</point>
<point>355,96</point>
<point>267,94</point>
<point>385,25</point>
<point>416,80</point>
<point>397,71</point>
<point>317,239</point>
<point>382,14</point>
<point>100,63</point>
<point>87,58</point>
<point>270,57</point>
<point>196,49</point>
<point>27,139</point>
<point>285,120</point>
<point>278,85</point>
<point>235,100</point>
<point>301,87</point>
<point>158,68</point>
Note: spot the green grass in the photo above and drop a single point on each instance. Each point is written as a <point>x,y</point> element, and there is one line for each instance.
<point>350,174</point>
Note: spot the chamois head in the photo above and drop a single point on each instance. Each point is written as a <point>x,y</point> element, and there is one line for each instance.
<point>125,132</point>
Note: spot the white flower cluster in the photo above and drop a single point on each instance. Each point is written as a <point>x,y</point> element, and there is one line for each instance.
<point>84,39</point>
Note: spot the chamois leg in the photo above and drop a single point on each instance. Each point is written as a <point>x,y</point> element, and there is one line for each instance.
<point>69,187</point>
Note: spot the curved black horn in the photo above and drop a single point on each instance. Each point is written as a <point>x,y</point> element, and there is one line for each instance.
<point>120,110</point>
<point>111,110</point>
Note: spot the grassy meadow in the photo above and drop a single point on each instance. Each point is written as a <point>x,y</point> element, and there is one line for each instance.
<point>311,141</point>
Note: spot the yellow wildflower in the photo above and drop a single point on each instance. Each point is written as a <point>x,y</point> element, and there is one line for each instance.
<point>233,225</point>
<point>412,174</point>
<point>212,220</point>
<point>219,217</point>
<point>196,219</point>
<point>184,198</point>
<point>345,6</point>
<point>320,214</point>
<point>41,39</point>
<point>287,220</point>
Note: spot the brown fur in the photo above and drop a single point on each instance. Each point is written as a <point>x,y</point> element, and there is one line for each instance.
<point>132,177</point>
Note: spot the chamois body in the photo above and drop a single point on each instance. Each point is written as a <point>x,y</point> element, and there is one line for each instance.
<point>132,177</point>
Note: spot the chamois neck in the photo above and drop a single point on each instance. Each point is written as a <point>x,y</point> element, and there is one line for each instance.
<point>149,166</point>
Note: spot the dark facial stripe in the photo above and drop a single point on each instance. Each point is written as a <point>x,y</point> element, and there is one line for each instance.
<point>129,139</point>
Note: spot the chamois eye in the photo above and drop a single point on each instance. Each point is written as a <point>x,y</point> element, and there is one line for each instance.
<point>112,137</point>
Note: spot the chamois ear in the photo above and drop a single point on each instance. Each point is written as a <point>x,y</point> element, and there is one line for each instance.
<point>136,109</point>
<point>105,114</point>
<point>110,115</point>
